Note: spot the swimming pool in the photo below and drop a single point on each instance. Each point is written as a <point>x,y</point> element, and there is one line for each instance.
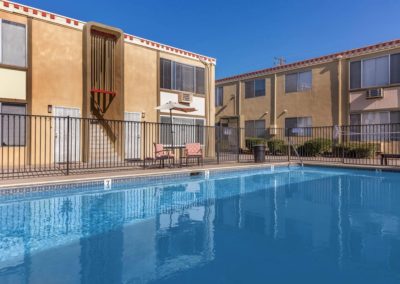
<point>289,225</point>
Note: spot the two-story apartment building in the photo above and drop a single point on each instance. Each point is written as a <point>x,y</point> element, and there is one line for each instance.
<point>56,66</point>
<point>358,86</point>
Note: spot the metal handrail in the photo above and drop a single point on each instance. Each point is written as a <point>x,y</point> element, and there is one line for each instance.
<point>296,152</point>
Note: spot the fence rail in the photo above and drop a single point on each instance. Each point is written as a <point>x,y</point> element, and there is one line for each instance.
<point>34,145</point>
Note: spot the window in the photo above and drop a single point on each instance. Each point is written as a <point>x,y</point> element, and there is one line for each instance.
<point>395,68</point>
<point>298,126</point>
<point>378,125</point>
<point>181,77</point>
<point>219,96</point>
<point>375,72</point>
<point>298,82</point>
<point>254,88</point>
<point>184,129</point>
<point>13,124</point>
<point>254,128</point>
<point>200,89</point>
<point>12,43</point>
<point>355,75</point>
<point>165,73</point>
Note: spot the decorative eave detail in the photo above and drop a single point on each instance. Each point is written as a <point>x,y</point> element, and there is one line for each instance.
<point>17,8</point>
<point>388,45</point>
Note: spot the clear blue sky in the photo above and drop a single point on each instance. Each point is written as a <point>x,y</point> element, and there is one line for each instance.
<point>244,35</point>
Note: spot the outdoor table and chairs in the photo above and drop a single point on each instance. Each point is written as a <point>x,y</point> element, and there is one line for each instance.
<point>185,153</point>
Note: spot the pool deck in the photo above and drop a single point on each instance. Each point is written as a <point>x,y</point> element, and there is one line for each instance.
<point>112,174</point>
<point>44,180</point>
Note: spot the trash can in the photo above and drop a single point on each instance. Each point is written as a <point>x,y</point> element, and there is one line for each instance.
<point>259,153</point>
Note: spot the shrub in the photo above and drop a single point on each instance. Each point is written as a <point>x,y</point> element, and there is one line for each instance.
<point>315,147</point>
<point>276,146</point>
<point>355,150</point>
<point>251,141</point>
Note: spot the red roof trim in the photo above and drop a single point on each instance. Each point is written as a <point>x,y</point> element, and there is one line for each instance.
<point>320,59</point>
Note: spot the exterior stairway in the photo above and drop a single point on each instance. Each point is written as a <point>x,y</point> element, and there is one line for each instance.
<point>102,149</point>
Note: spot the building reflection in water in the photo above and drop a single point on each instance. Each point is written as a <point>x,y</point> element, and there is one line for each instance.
<point>149,233</point>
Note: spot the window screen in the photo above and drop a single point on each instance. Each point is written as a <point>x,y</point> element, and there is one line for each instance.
<point>304,81</point>
<point>259,88</point>
<point>291,83</point>
<point>395,68</point>
<point>165,73</point>
<point>13,125</point>
<point>13,43</point>
<point>200,75</point>
<point>355,75</point>
<point>298,126</point>
<point>375,72</point>
<point>249,89</point>
<point>187,78</point>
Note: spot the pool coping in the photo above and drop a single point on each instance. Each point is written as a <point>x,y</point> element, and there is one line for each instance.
<point>93,178</point>
<point>101,177</point>
<point>352,166</point>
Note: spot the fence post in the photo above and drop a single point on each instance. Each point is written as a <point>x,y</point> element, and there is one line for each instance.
<point>238,144</point>
<point>289,148</point>
<point>144,144</point>
<point>68,134</point>
<point>342,144</point>
<point>219,135</point>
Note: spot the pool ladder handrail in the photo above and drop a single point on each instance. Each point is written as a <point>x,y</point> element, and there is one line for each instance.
<point>296,152</point>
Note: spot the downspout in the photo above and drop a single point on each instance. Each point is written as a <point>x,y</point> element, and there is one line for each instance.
<point>340,89</point>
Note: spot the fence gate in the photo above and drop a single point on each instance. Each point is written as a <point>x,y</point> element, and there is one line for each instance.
<point>227,143</point>
<point>61,134</point>
<point>132,135</point>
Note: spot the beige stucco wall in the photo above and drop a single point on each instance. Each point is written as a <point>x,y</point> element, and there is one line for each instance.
<point>141,80</point>
<point>320,102</point>
<point>228,107</point>
<point>255,108</point>
<point>390,100</point>
<point>56,67</point>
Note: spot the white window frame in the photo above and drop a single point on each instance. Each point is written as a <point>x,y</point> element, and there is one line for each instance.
<point>362,71</point>
<point>173,77</point>
<point>297,81</point>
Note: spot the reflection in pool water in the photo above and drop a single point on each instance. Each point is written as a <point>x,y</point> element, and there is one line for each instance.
<point>292,226</point>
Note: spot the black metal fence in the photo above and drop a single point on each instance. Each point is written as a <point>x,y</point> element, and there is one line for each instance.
<point>49,145</point>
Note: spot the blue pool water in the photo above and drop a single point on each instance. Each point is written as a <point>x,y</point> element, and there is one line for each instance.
<point>298,225</point>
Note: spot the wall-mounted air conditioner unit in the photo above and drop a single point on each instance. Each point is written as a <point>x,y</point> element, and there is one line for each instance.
<point>185,98</point>
<point>374,93</point>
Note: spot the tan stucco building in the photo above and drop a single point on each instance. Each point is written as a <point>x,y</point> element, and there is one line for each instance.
<point>53,65</point>
<point>358,86</point>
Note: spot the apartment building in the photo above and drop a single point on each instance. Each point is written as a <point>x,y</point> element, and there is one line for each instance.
<point>359,86</point>
<point>57,66</point>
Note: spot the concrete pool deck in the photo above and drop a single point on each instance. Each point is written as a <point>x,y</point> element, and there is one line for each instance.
<point>113,174</point>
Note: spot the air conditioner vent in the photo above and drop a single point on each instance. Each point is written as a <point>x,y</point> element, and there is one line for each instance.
<point>185,98</point>
<point>374,93</point>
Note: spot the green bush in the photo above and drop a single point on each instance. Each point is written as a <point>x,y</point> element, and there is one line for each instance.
<point>276,146</point>
<point>355,150</point>
<point>315,147</point>
<point>251,141</point>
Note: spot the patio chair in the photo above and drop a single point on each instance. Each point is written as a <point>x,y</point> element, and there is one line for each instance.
<point>161,155</point>
<point>193,151</point>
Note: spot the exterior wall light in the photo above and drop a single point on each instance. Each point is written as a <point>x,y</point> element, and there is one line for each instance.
<point>49,108</point>
<point>143,114</point>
